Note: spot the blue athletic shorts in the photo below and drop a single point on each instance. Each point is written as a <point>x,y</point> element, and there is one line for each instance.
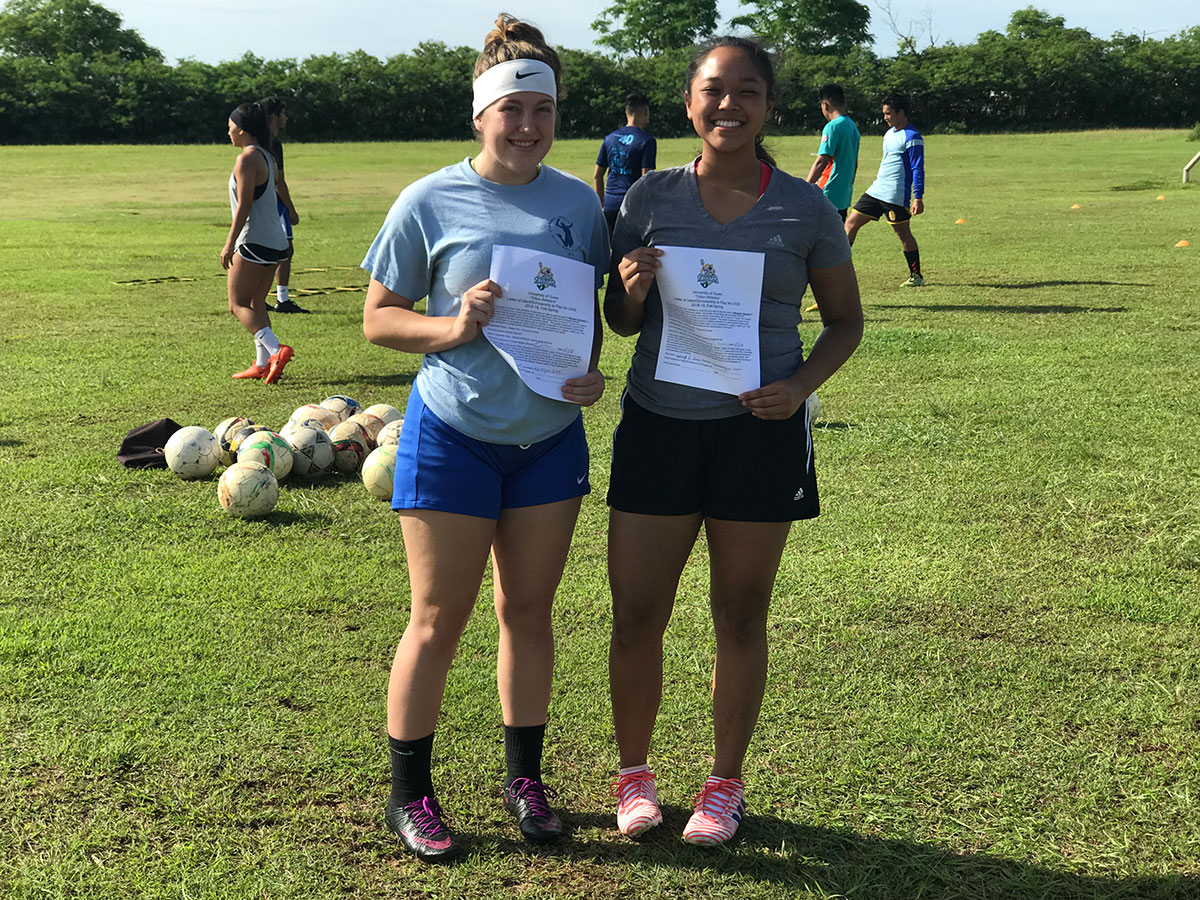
<point>439,467</point>
<point>284,219</point>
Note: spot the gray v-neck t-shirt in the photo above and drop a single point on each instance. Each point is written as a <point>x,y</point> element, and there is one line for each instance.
<point>793,225</point>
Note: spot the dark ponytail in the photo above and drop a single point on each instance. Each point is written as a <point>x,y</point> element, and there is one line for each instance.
<point>252,118</point>
<point>762,62</point>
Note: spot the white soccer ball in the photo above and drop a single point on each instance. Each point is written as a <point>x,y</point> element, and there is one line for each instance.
<point>372,425</point>
<point>342,405</point>
<point>390,435</point>
<point>192,452</point>
<point>248,490</point>
<point>388,413</point>
<point>311,411</point>
<point>312,451</point>
<point>269,448</point>
<point>379,472</point>
<point>813,405</point>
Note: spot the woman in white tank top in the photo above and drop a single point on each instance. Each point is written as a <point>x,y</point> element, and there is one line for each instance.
<point>256,241</point>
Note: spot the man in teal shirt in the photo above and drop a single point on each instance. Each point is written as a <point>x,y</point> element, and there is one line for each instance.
<point>837,157</point>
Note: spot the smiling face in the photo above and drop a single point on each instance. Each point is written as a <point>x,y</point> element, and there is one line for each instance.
<point>516,131</point>
<point>727,101</point>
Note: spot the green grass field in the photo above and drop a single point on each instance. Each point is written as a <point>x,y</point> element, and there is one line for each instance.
<point>985,672</point>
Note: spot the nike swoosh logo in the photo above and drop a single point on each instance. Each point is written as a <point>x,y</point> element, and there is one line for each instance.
<point>403,752</point>
<point>579,480</point>
<point>521,75</point>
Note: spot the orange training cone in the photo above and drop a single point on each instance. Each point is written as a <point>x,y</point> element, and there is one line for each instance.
<point>1076,206</point>
<point>1184,244</point>
<point>1161,197</point>
<point>960,221</point>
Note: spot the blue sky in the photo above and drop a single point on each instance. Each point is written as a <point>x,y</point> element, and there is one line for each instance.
<point>215,30</point>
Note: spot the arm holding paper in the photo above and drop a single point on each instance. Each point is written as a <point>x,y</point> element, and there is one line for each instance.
<point>389,320</point>
<point>836,291</point>
<point>586,389</point>
<point>628,284</point>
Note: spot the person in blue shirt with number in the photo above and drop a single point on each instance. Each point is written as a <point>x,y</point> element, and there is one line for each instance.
<point>626,155</point>
<point>901,173</point>
<point>837,157</point>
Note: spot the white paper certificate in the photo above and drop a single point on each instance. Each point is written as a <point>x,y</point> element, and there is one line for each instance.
<point>710,304</point>
<point>544,319</point>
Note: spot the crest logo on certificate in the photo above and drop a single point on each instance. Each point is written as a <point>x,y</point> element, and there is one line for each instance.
<point>544,279</point>
<point>544,320</point>
<point>710,324</point>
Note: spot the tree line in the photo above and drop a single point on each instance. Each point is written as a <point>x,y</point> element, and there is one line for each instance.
<point>71,73</point>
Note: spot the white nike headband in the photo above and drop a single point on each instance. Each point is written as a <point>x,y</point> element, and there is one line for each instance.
<point>512,77</point>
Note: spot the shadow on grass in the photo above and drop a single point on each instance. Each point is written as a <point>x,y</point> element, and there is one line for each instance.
<point>371,380</point>
<point>834,426</point>
<point>1031,285</point>
<point>11,442</point>
<point>1051,309</point>
<point>841,862</point>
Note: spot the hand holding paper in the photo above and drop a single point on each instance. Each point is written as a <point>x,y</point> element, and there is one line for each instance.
<point>637,269</point>
<point>544,322</point>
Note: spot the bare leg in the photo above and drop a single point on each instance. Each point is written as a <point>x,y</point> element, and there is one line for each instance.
<point>529,549</point>
<point>744,560</point>
<point>854,221</point>
<point>904,232</point>
<point>646,556</point>
<point>248,284</point>
<point>447,553</point>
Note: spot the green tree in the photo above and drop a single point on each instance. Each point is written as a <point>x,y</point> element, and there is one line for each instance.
<point>809,26</point>
<point>50,29</point>
<point>647,27</point>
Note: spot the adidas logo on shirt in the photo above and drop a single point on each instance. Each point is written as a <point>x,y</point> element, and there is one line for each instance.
<point>776,241</point>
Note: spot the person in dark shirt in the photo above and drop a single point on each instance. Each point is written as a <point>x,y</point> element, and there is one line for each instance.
<point>626,155</point>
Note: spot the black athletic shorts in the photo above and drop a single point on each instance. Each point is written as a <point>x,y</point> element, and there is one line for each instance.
<point>842,213</point>
<point>264,256</point>
<point>740,468</point>
<point>875,208</point>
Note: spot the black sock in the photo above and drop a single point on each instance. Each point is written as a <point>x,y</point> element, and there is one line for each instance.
<point>523,752</point>
<point>913,257</point>
<point>412,778</point>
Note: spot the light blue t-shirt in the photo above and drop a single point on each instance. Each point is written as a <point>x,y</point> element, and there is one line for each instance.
<point>902,168</point>
<point>436,242</point>
<point>840,139</point>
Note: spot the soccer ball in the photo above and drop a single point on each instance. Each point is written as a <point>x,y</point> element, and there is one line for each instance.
<point>312,451</point>
<point>390,435</point>
<point>379,472</point>
<point>235,441</point>
<point>269,448</point>
<point>224,432</point>
<point>248,490</point>
<point>813,406</point>
<point>342,405</point>
<point>192,452</point>
<point>348,453</point>
<point>388,413</point>
<point>351,429</point>
<point>372,425</point>
<point>311,411</point>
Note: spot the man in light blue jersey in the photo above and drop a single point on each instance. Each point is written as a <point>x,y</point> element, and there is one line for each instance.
<point>837,157</point>
<point>901,173</point>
